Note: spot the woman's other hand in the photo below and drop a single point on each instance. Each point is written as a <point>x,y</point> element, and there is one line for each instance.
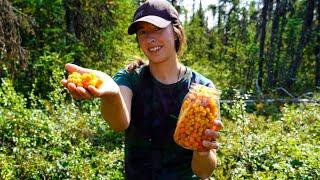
<point>213,134</point>
<point>203,163</point>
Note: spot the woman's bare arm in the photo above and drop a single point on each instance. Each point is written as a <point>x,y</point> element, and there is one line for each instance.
<point>116,109</point>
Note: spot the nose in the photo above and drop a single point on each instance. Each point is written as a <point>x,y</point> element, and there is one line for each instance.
<point>150,38</point>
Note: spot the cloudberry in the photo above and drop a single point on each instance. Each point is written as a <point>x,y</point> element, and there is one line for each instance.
<point>84,80</point>
<point>199,110</point>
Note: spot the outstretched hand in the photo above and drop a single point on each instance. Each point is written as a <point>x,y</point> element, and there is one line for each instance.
<point>107,88</point>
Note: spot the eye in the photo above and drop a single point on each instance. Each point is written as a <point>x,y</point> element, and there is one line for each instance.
<point>157,28</point>
<point>141,32</point>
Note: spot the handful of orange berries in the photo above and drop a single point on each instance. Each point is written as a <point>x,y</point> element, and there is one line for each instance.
<point>84,79</point>
<point>199,110</point>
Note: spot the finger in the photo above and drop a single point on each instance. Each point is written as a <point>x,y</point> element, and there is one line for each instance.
<point>94,91</point>
<point>74,68</point>
<point>72,87</point>
<point>83,93</point>
<point>218,125</point>
<point>76,96</point>
<point>212,133</point>
<point>64,82</point>
<point>210,144</point>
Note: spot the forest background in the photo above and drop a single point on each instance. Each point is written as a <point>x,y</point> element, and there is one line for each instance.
<point>264,56</point>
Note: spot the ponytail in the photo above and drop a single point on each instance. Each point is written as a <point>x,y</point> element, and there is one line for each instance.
<point>132,66</point>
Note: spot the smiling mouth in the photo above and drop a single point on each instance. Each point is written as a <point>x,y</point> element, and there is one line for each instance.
<point>154,49</point>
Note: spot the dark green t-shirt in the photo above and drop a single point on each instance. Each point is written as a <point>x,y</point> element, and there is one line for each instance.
<point>150,151</point>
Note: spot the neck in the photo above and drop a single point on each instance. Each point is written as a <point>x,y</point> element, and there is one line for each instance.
<point>168,72</point>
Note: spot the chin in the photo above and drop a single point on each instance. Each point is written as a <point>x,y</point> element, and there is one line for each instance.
<point>156,60</point>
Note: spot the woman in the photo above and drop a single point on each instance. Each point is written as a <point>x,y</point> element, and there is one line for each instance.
<point>145,100</point>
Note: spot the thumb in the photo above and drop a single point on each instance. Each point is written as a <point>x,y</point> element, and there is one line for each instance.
<point>75,68</point>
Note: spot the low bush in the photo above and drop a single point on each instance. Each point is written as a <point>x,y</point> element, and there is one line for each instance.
<point>59,138</point>
<point>56,138</point>
<point>260,147</point>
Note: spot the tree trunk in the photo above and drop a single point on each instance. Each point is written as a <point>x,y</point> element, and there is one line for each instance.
<point>244,26</point>
<point>317,48</point>
<point>254,19</point>
<point>221,15</point>
<point>270,9</point>
<point>272,50</point>
<point>228,25</point>
<point>290,41</point>
<point>280,75</point>
<point>73,18</point>
<point>304,38</point>
<point>11,52</point>
<point>264,16</point>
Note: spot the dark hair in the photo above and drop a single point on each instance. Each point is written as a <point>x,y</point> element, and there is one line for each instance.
<point>132,66</point>
<point>182,40</point>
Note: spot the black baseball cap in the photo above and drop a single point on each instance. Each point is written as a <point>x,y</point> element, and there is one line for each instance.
<point>157,12</point>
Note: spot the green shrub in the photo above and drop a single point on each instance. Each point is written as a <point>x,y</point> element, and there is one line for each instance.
<point>59,138</point>
<point>55,138</point>
<point>259,147</point>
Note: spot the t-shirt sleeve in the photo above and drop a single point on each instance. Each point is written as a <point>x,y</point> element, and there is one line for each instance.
<point>209,83</point>
<point>200,79</point>
<point>123,78</point>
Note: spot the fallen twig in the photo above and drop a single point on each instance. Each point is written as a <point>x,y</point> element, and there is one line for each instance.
<point>293,100</point>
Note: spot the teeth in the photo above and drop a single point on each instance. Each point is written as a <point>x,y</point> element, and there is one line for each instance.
<point>155,48</point>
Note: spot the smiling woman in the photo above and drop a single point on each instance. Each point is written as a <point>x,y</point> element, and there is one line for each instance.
<point>157,43</point>
<point>146,101</point>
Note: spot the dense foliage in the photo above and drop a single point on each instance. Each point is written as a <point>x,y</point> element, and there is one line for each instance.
<point>60,139</point>
<point>268,49</point>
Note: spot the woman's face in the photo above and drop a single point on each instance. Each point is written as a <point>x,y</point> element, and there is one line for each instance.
<point>158,44</point>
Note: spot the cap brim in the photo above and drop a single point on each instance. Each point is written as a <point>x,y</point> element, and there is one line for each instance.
<point>155,20</point>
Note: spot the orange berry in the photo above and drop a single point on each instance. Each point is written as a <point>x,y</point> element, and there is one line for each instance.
<point>84,80</point>
<point>199,111</point>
